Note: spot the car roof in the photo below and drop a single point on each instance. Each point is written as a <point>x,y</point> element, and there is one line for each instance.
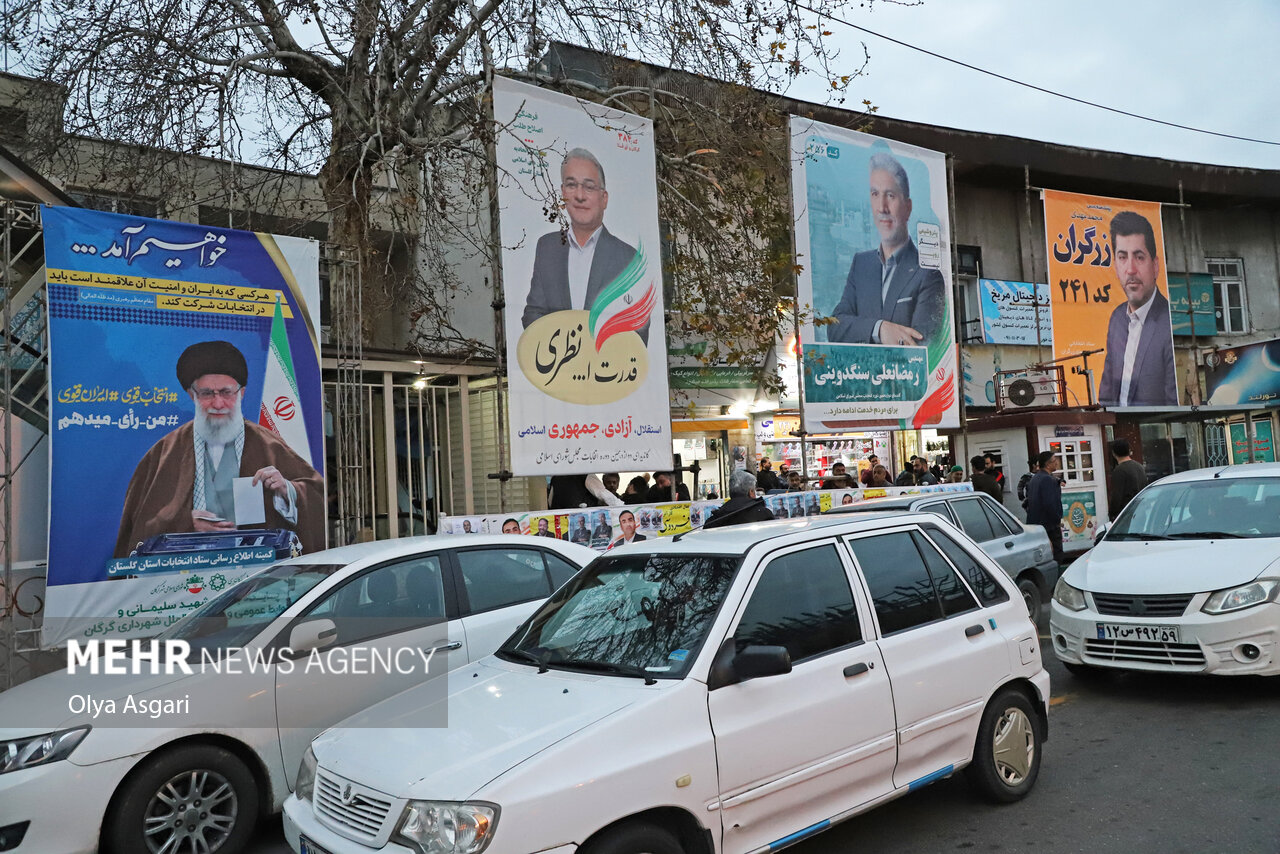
<point>381,549</point>
<point>740,539</point>
<point>1217,472</point>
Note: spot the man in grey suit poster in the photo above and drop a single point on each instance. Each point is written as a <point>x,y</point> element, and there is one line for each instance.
<point>571,269</point>
<point>888,297</point>
<point>1138,369</point>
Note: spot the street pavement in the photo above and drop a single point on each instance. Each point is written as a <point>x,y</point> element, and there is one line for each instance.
<point>1134,763</point>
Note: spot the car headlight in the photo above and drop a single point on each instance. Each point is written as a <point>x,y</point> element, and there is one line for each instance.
<point>305,785</point>
<point>443,827</point>
<point>1071,598</point>
<point>39,749</point>
<point>1245,596</point>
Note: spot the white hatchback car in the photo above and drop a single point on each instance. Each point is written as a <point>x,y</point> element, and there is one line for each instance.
<point>1187,580</point>
<point>223,749</point>
<point>734,690</point>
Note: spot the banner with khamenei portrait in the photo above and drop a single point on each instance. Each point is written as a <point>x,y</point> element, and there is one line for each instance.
<point>582,278</point>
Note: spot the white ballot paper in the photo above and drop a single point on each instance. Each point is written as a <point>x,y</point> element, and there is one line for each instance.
<point>250,509</point>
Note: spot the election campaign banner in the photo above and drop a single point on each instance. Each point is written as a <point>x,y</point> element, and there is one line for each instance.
<point>1109,292</point>
<point>582,278</point>
<point>186,445</point>
<point>604,528</point>
<point>874,247</point>
<point>1249,373</point>
<point>1015,312</point>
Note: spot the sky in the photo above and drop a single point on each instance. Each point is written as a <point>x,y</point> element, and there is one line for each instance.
<point>1209,65</point>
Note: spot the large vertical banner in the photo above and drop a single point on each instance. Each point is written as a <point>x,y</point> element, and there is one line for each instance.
<point>185,416</point>
<point>582,277</point>
<point>874,245</point>
<point>1109,290</point>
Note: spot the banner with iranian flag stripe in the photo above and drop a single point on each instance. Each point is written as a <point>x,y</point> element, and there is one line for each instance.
<point>582,279</point>
<point>281,409</point>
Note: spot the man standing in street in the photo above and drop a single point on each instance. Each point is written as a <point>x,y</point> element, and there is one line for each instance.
<point>989,463</point>
<point>1044,502</point>
<point>766,478</point>
<point>1033,466</point>
<point>872,462</point>
<point>1127,478</point>
<point>982,479</point>
<point>743,506</point>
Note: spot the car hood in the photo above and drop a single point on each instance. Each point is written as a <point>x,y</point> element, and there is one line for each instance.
<point>1181,566</point>
<point>43,704</point>
<point>499,716</point>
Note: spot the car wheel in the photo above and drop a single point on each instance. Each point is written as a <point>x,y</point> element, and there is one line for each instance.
<point>1031,597</point>
<point>195,798</point>
<point>634,838</point>
<point>1006,757</point>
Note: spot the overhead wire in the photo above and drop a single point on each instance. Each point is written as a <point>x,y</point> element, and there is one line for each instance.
<point>1032,86</point>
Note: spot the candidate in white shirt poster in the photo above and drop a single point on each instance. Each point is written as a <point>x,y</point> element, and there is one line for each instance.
<point>582,282</point>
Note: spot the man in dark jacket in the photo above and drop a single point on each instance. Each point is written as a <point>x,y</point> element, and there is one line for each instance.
<point>742,506</point>
<point>661,489</point>
<point>1127,478</point>
<point>1044,502</point>
<point>982,480</point>
<point>766,478</point>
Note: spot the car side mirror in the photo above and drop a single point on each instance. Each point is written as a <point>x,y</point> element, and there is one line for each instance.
<point>312,635</point>
<point>730,667</point>
<point>1101,529</point>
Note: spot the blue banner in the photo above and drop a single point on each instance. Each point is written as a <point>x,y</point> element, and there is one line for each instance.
<point>161,380</point>
<point>1011,311</point>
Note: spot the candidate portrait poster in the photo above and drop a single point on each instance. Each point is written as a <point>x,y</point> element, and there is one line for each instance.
<point>186,422</point>
<point>1109,292</point>
<point>582,279</point>
<point>874,246</point>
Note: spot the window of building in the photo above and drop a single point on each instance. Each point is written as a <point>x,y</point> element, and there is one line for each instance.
<point>117,203</point>
<point>1229,309</point>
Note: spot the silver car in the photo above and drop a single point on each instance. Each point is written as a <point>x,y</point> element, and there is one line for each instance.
<point>1023,551</point>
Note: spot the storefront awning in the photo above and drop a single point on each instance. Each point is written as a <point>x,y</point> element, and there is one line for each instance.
<point>708,425</point>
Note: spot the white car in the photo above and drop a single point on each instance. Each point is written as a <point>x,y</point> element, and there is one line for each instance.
<point>733,690</point>
<point>223,749</point>
<point>1185,581</point>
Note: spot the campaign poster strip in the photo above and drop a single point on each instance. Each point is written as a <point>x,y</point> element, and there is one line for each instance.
<point>873,241</point>
<point>186,422</point>
<point>1110,293</point>
<point>1015,312</point>
<point>603,528</point>
<point>582,278</point>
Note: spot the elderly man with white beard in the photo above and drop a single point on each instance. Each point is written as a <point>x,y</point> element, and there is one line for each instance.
<point>184,483</point>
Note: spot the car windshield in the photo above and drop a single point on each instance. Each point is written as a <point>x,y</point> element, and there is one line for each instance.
<point>234,617</point>
<point>1223,508</point>
<point>636,615</point>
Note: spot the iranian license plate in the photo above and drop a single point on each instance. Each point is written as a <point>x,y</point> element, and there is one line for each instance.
<point>309,847</point>
<point>1119,631</point>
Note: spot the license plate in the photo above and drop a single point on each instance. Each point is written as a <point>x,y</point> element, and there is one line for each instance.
<point>309,847</point>
<point>1118,631</point>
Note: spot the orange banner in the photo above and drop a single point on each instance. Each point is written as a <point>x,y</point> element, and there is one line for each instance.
<point>1110,292</point>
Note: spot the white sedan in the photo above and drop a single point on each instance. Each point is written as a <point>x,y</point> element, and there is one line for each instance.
<point>1187,580</point>
<point>169,764</point>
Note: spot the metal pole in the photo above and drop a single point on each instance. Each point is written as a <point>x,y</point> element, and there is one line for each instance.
<point>1031,247</point>
<point>1191,303</point>
<point>957,296</point>
<point>8,604</point>
<point>495,250</point>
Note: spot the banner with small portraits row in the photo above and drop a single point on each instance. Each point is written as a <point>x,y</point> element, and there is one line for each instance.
<point>603,528</point>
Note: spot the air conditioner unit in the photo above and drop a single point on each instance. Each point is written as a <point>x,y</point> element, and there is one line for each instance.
<point>1030,389</point>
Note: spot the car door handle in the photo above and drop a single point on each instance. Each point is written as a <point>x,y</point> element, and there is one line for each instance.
<point>855,669</point>
<point>1009,544</point>
<point>974,631</point>
<point>446,647</point>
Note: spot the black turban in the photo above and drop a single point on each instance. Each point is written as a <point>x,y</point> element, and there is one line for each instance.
<point>211,357</point>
